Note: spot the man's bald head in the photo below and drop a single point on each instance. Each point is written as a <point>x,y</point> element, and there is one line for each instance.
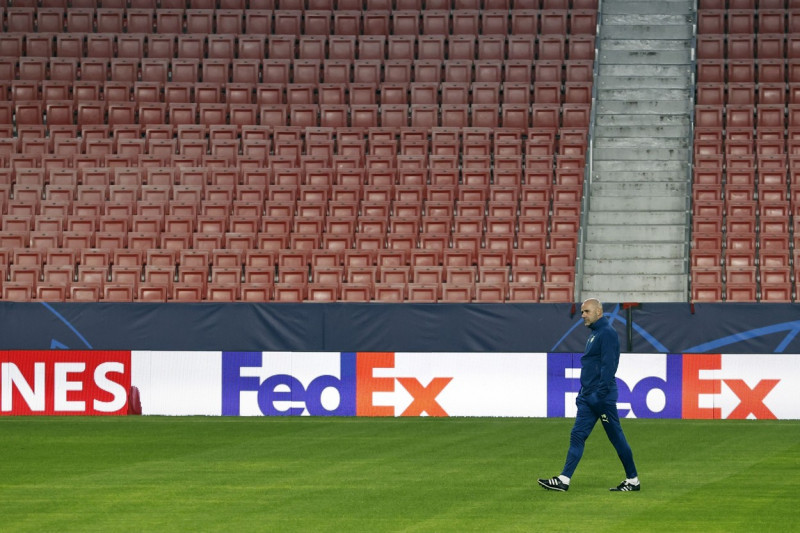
<point>591,311</point>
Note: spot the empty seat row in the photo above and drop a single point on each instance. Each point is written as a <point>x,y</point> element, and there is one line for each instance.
<point>748,71</point>
<point>748,21</point>
<point>747,4</point>
<point>766,47</point>
<point>284,71</point>
<point>506,181</point>
<point>376,137</point>
<point>323,162</point>
<point>234,266</point>
<point>519,116</point>
<point>747,93</point>
<point>480,115</point>
<point>501,235</point>
<point>735,116</point>
<point>506,164</point>
<point>500,245</point>
<point>310,22</point>
<point>153,226</point>
<point>562,254</point>
<point>299,4</point>
<point>290,293</point>
<point>743,293</point>
<point>26,92</point>
<point>503,165</point>
<point>521,262</point>
<point>319,47</point>
<point>535,203</point>
<point>68,199</point>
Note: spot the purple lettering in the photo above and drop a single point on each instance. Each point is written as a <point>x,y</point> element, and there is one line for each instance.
<point>233,383</point>
<point>558,384</point>
<point>285,388</point>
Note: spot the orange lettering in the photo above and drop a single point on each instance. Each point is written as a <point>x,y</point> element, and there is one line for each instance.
<point>693,386</point>
<point>424,397</point>
<point>367,384</point>
<point>752,400</point>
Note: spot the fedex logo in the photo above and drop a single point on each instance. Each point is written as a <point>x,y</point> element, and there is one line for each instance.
<point>704,377</point>
<point>64,382</point>
<point>363,378</point>
<point>691,387</point>
<point>563,376</point>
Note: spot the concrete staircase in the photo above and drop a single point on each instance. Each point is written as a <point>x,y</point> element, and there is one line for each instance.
<point>635,245</point>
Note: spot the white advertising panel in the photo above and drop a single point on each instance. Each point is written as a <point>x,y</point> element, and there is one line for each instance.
<point>177,383</point>
<point>496,384</point>
<point>761,386</point>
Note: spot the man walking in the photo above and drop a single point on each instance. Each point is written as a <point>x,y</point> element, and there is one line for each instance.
<point>597,400</point>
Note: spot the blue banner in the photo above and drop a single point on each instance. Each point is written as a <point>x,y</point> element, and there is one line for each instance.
<point>484,327</point>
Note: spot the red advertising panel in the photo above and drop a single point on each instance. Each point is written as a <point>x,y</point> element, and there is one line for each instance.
<point>64,382</point>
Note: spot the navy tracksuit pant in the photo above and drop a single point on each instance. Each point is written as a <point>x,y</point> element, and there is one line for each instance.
<point>590,410</point>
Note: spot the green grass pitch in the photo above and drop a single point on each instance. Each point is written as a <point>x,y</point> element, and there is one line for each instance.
<point>376,475</point>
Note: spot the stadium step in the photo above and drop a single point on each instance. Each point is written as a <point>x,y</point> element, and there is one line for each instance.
<point>636,217</point>
<point>634,282</point>
<point>640,232</point>
<point>646,44</point>
<point>618,268</point>
<point>627,82</point>
<point>643,106</point>
<point>634,7</point>
<point>628,119</point>
<point>647,70</point>
<point>648,31</point>
<point>615,132</point>
<point>642,188</point>
<point>662,57</point>
<point>626,251</point>
<point>635,176</point>
<point>652,295</point>
<point>613,166</point>
<point>628,25</point>
<point>633,20</point>
<point>634,203</point>
<point>654,94</point>
<point>636,153</point>
<point>652,144</point>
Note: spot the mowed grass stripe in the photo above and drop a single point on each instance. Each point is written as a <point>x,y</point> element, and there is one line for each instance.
<point>416,474</point>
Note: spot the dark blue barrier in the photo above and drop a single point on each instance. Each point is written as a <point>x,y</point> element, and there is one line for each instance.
<point>708,328</point>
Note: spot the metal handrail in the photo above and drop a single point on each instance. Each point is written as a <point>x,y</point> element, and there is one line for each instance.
<point>588,172</point>
<point>689,177</point>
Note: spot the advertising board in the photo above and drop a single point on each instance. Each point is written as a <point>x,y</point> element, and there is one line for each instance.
<point>391,384</point>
